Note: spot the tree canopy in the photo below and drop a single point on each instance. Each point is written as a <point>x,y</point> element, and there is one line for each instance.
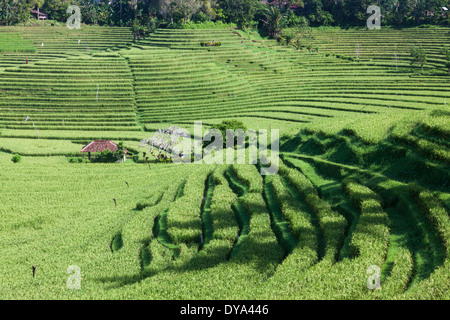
<point>241,12</point>
<point>418,56</point>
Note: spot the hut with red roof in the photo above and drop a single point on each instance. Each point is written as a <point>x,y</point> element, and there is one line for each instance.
<point>100,146</point>
<point>39,14</point>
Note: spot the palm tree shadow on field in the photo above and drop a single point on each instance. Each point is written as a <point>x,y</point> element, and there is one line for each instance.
<point>251,252</point>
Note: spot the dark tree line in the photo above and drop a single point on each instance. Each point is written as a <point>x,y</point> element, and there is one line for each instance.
<point>244,13</point>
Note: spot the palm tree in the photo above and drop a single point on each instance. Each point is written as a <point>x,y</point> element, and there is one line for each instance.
<point>274,21</point>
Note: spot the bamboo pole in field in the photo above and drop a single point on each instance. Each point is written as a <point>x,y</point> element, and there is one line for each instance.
<point>387,116</point>
<point>37,134</point>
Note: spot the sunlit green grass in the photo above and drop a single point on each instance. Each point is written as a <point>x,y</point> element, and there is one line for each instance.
<point>14,42</point>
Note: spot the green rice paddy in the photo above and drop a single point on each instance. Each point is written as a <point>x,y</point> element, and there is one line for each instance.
<point>363,178</point>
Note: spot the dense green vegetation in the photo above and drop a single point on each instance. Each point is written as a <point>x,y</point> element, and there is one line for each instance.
<point>363,178</point>
<point>147,15</point>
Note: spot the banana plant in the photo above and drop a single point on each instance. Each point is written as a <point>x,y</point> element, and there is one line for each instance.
<point>275,21</point>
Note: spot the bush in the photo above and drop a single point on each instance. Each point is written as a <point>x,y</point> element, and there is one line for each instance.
<point>107,156</point>
<point>77,160</point>
<point>16,158</point>
<point>210,44</point>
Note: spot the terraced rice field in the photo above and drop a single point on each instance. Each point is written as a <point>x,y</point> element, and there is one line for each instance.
<point>363,178</point>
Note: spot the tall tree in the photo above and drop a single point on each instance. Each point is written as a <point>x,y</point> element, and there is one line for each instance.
<point>315,13</point>
<point>14,11</point>
<point>303,35</point>
<point>56,9</point>
<point>274,21</point>
<point>38,4</point>
<point>10,10</point>
<point>208,9</point>
<point>418,56</point>
<point>355,10</point>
